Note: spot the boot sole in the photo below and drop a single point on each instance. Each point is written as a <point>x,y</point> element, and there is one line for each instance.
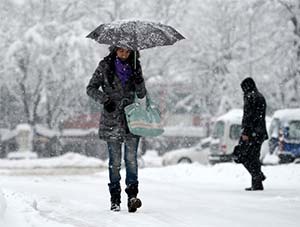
<point>116,209</point>
<point>254,189</point>
<point>134,204</point>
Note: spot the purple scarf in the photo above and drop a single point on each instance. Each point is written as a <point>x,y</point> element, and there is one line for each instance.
<point>123,70</point>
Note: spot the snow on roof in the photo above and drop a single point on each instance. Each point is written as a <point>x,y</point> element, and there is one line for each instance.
<point>78,132</point>
<point>44,131</point>
<point>7,134</point>
<point>234,115</point>
<point>287,114</point>
<point>23,127</point>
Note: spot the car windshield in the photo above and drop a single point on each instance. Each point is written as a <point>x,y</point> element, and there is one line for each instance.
<point>218,131</point>
<point>294,130</point>
<point>235,132</point>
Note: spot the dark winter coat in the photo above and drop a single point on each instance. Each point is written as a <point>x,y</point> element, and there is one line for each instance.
<point>113,125</point>
<point>253,123</point>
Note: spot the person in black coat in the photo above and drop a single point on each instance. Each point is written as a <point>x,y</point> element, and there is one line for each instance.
<point>119,77</point>
<point>253,131</point>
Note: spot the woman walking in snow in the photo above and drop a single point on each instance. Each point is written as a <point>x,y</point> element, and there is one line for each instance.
<point>119,79</point>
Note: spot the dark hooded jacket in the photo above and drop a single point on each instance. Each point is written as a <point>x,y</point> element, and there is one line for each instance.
<point>253,123</point>
<point>113,125</point>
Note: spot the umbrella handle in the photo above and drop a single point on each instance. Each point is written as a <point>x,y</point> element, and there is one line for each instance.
<point>134,60</point>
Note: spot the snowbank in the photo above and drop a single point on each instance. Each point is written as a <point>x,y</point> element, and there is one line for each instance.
<point>271,159</point>
<point>67,160</point>
<point>152,159</point>
<point>21,155</point>
<point>286,176</point>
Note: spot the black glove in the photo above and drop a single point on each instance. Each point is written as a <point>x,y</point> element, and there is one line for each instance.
<point>110,106</point>
<point>138,79</point>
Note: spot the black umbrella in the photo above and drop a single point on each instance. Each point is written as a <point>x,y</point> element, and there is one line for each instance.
<point>135,35</point>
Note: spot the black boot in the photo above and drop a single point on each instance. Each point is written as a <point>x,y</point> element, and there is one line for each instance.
<point>257,183</point>
<point>256,186</point>
<point>133,201</point>
<point>115,196</point>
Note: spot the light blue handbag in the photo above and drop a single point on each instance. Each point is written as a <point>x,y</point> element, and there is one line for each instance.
<point>144,121</point>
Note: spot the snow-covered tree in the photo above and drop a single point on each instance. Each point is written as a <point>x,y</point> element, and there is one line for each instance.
<point>46,61</point>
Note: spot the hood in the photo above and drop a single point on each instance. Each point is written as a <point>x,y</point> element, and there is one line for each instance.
<point>248,85</point>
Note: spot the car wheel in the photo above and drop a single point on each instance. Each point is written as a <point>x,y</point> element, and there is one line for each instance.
<point>212,162</point>
<point>284,159</point>
<point>184,160</point>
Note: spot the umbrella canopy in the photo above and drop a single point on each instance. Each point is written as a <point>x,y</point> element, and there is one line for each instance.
<point>135,35</point>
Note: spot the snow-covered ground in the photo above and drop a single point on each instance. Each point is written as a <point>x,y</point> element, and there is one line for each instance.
<point>65,161</point>
<point>180,195</point>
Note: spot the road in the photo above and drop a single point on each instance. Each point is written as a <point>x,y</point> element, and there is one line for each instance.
<point>184,195</point>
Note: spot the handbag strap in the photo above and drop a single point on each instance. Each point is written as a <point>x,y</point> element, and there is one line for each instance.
<point>149,101</point>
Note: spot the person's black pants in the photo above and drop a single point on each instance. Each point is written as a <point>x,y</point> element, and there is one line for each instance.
<point>252,162</point>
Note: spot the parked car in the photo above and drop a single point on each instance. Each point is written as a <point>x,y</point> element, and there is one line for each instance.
<point>285,135</point>
<point>174,138</point>
<point>197,153</point>
<point>225,135</point>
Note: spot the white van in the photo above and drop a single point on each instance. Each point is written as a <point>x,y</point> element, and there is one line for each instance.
<point>225,135</point>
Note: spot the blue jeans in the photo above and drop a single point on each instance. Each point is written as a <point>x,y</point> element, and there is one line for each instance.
<point>130,158</point>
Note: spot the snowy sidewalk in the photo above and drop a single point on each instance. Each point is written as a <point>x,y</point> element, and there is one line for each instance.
<point>182,195</point>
